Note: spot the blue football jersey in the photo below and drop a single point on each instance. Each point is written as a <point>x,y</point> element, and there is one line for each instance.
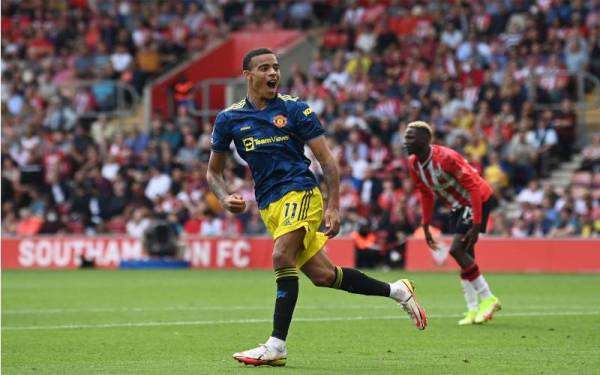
<point>271,141</point>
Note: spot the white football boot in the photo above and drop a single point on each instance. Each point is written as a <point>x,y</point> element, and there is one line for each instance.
<point>403,291</point>
<point>263,355</point>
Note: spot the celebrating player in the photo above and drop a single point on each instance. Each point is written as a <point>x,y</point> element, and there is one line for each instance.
<point>442,170</point>
<point>269,132</point>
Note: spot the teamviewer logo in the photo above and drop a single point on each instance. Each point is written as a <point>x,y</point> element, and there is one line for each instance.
<point>248,143</point>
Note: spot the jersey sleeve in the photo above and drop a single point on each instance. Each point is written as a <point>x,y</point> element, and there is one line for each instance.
<point>468,177</point>
<point>221,135</point>
<point>309,126</point>
<point>427,196</point>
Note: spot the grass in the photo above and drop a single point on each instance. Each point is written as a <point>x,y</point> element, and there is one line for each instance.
<point>189,322</point>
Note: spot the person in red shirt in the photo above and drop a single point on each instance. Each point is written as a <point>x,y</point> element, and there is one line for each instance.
<point>441,171</point>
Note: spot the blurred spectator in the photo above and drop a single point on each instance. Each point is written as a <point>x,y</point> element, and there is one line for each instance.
<point>29,223</point>
<point>568,199</point>
<point>567,225</point>
<point>494,174</point>
<point>591,155</point>
<point>52,224</point>
<point>544,139</point>
<point>254,226</point>
<point>481,74</point>
<point>366,249</point>
<point>532,194</point>
<point>212,225</point>
<point>182,92</point>
<point>396,234</point>
<point>158,184</point>
<point>520,156</point>
<point>565,125</point>
<point>576,55</point>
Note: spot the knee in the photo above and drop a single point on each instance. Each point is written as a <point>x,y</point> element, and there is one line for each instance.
<point>282,259</point>
<point>324,278</point>
<point>456,250</point>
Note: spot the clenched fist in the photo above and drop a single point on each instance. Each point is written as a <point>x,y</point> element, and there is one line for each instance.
<point>234,203</point>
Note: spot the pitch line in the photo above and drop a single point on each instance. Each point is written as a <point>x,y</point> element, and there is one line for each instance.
<point>58,310</point>
<point>251,321</point>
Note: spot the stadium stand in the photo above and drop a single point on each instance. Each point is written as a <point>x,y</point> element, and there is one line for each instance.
<point>497,80</point>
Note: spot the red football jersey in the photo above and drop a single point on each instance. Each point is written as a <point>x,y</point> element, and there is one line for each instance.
<point>452,178</point>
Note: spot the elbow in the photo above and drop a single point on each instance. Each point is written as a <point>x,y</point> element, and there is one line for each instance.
<point>210,175</point>
<point>329,165</point>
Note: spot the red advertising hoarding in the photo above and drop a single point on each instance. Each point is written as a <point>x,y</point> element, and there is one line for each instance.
<point>515,255</point>
<point>493,254</point>
<point>107,252</point>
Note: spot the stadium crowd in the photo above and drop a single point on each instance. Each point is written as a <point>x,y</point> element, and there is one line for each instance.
<point>474,70</point>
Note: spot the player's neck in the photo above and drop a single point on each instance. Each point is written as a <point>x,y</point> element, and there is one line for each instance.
<point>424,155</point>
<point>258,102</point>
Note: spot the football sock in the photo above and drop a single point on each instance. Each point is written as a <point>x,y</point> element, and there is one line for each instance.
<point>274,342</point>
<point>470,295</point>
<point>353,281</point>
<point>470,273</point>
<point>482,287</point>
<point>285,300</point>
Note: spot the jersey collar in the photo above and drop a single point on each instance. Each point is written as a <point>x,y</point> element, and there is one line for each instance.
<point>424,164</point>
<point>248,104</point>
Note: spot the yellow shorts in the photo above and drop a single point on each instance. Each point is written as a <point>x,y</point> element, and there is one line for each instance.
<point>298,209</point>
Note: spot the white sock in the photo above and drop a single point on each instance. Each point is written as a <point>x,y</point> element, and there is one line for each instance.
<point>274,342</point>
<point>470,295</point>
<point>482,287</point>
<point>398,294</point>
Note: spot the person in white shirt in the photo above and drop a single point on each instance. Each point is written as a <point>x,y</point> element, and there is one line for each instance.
<point>158,184</point>
<point>338,76</point>
<point>367,39</point>
<point>120,59</point>
<point>451,36</point>
<point>138,223</point>
<point>212,225</point>
<point>532,194</point>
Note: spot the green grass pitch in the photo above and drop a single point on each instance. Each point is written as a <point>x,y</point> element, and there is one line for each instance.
<point>190,322</point>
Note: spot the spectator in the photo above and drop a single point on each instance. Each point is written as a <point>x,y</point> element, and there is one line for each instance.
<point>366,39</point>
<point>29,223</point>
<point>532,194</point>
<point>367,251</point>
<point>189,153</point>
<point>591,155</point>
<point>255,226</point>
<point>567,199</point>
<point>479,82</point>
<point>138,224</point>
<point>451,37</point>
<point>158,184</point>
<point>494,174</point>
<point>565,125</point>
<point>520,156</point>
<point>52,224</point>
<point>576,55</point>
<point>544,139</point>
<point>212,225</point>
<point>567,224</point>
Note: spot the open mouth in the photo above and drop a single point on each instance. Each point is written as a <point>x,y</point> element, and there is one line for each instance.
<point>272,83</point>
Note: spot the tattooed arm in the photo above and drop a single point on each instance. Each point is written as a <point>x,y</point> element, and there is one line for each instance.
<point>214,175</point>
